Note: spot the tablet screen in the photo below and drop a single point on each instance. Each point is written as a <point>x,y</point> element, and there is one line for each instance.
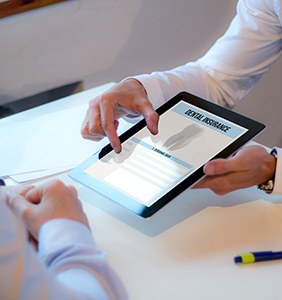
<point>150,166</point>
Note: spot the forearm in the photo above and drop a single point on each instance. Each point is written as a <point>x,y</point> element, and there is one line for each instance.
<point>72,268</point>
<point>192,77</point>
<point>72,255</point>
<point>22,275</point>
<point>233,65</point>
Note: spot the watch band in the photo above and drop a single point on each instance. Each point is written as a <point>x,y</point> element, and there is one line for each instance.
<point>268,186</point>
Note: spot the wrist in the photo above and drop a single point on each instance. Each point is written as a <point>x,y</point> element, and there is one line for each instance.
<point>135,84</point>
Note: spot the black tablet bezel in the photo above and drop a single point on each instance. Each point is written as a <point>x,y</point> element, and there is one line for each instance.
<point>144,211</point>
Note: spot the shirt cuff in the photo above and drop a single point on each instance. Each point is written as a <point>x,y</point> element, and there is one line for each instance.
<point>59,234</point>
<point>278,173</point>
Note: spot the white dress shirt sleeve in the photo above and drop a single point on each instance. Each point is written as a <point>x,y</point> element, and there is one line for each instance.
<point>68,265</point>
<point>234,64</point>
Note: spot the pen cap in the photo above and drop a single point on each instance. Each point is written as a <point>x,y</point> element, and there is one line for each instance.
<point>238,259</point>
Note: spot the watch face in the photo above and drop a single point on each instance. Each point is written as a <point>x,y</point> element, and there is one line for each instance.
<point>267,187</point>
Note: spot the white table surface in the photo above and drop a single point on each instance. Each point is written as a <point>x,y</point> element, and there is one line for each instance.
<point>186,250</point>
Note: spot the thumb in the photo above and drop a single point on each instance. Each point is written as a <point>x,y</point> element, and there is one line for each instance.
<point>17,203</point>
<point>220,167</point>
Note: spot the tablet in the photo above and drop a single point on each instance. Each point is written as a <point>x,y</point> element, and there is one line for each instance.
<point>152,170</point>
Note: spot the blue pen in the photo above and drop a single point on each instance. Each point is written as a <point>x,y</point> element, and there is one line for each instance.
<point>2,182</point>
<point>252,257</point>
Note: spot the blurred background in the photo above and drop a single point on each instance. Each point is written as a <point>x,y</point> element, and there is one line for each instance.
<point>61,49</point>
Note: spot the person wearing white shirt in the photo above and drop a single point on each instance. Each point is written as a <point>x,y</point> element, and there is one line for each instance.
<point>63,261</point>
<point>224,75</point>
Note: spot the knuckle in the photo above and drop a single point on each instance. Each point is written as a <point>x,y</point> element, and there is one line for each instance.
<point>94,103</point>
<point>72,190</point>
<point>94,132</point>
<point>106,125</point>
<point>220,189</point>
<point>26,213</point>
<point>95,128</point>
<point>96,138</point>
<point>84,131</point>
<point>92,136</point>
<point>57,184</point>
<point>106,99</point>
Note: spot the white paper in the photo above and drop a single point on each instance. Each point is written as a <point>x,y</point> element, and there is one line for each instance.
<point>48,142</point>
<point>36,175</point>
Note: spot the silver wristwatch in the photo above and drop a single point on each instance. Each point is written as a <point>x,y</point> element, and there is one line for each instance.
<point>269,185</point>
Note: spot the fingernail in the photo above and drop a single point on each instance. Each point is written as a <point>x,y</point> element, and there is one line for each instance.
<point>117,149</point>
<point>209,170</point>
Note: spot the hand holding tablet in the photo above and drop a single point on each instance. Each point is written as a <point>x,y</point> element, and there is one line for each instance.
<point>153,169</point>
